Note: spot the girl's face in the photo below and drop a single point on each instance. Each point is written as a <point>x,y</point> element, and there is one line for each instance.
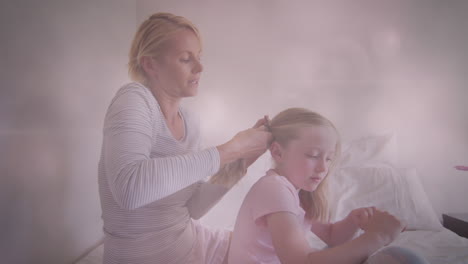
<point>178,69</point>
<point>305,161</point>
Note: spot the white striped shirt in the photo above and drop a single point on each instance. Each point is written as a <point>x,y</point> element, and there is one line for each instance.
<point>150,184</point>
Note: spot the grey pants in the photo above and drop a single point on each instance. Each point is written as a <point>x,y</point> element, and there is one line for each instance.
<point>395,255</point>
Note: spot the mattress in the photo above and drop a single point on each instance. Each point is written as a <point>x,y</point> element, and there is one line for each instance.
<point>438,247</point>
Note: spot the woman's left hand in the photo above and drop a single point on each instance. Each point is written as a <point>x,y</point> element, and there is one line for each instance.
<point>361,216</point>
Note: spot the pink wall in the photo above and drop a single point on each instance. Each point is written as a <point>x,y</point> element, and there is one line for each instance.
<point>371,66</point>
<point>61,62</point>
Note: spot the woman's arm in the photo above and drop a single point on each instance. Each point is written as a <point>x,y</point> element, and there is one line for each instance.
<point>209,193</point>
<point>291,245</point>
<point>134,178</point>
<point>205,197</point>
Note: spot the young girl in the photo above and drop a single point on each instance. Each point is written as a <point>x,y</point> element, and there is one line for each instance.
<point>290,200</point>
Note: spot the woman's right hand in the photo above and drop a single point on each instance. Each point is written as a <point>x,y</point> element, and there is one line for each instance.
<point>385,225</point>
<point>247,144</point>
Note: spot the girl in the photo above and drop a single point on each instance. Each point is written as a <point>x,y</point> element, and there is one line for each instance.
<point>290,200</point>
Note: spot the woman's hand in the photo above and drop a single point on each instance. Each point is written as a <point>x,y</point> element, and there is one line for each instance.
<point>265,121</point>
<point>248,144</point>
<point>262,123</point>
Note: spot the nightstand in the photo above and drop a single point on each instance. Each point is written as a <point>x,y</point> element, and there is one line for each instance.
<point>457,223</point>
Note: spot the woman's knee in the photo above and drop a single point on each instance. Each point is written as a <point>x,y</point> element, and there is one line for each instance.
<point>396,255</point>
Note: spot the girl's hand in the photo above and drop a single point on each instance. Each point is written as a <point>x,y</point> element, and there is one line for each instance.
<point>385,225</point>
<point>360,217</point>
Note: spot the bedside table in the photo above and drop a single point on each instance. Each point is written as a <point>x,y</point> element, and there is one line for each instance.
<point>457,223</point>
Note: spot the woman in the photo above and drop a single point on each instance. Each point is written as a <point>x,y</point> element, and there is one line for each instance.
<point>151,169</point>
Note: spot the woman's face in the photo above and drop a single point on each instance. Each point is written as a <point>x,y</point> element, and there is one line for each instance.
<point>178,68</point>
<point>305,161</point>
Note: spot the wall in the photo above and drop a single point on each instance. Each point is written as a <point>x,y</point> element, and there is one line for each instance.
<point>61,62</point>
<point>370,66</point>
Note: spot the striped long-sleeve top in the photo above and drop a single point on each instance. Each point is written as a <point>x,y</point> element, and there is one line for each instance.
<point>151,184</point>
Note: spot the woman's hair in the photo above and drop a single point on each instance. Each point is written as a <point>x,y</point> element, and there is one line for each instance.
<point>284,127</point>
<point>150,37</point>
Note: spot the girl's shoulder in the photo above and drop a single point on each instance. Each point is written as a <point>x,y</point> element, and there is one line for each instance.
<point>272,183</point>
<point>271,177</point>
<point>270,194</point>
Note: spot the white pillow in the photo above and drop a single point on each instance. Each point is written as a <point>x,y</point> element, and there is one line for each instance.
<point>369,151</point>
<point>398,191</point>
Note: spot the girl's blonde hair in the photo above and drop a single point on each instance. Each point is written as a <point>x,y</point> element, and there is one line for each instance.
<point>284,127</point>
<point>150,37</point>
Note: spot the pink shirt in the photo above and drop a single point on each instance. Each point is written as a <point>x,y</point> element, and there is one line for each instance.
<point>251,240</point>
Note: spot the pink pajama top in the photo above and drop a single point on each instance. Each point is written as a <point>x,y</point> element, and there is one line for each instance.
<point>251,241</point>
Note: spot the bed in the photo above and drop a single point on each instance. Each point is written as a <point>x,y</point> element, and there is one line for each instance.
<point>368,176</point>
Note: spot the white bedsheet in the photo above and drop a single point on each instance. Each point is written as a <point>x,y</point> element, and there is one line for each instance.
<point>438,247</point>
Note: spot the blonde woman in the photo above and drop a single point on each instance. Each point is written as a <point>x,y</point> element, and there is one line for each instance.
<point>152,168</point>
<point>290,200</point>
